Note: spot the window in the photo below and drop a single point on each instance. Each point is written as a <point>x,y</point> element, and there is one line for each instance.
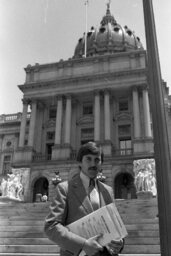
<point>6,164</point>
<point>88,109</point>
<point>49,151</point>
<point>125,146</point>
<point>123,105</point>
<point>124,130</point>
<point>52,113</point>
<point>50,136</point>
<point>125,143</point>
<point>87,134</point>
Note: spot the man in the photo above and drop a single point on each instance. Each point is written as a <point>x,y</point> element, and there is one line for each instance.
<point>74,200</point>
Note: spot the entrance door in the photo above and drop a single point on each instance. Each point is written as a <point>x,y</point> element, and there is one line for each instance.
<point>124,186</point>
<point>41,186</point>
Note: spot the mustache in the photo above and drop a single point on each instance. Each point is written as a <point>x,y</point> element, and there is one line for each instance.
<point>93,168</point>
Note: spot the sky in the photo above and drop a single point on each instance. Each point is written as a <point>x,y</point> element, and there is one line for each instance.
<point>45,31</point>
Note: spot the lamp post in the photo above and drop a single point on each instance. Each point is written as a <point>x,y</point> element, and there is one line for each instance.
<point>161,145</point>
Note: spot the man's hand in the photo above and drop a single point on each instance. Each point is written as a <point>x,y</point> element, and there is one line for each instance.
<point>92,246</point>
<point>114,247</point>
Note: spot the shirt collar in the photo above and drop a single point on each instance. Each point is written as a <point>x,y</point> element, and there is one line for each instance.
<point>86,180</point>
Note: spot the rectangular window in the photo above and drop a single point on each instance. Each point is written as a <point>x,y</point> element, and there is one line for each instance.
<point>49,151</point>
<point>124,130</point>
<point>87,134</point>
<point>125,146</point>
<point>6,164</point>
<point>52,113</point>
<point>123,105</point>
<point>50,136</point>
<point>87,109</point>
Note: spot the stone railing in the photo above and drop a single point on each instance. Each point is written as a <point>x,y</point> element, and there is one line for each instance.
<point>12,117</point>
<point>122,152</point>
<point>39,157</point>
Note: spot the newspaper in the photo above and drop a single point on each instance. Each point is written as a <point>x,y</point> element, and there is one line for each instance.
<point>105,220</point>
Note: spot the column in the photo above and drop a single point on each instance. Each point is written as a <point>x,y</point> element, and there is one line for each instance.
<point>23,123</point>
<point>136,112</point>
<point>107,115</point>
<point>1,140</point>
<point>68,120</point>
<point>97,116</point>
<point>147,120</point>
<point>32,123</point>
<point>58,121</point>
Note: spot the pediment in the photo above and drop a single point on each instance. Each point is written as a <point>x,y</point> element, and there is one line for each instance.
<point>123,116</point>
<point>85,120</point>
<point>50,123</point>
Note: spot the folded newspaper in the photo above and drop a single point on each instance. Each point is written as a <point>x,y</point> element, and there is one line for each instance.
<point>105,220</point>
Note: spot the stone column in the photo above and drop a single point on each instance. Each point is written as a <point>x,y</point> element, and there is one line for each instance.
<point>32,123</point>
<point>146,108</point>
<point>58,121</point>
<point>107,115</point>
<point>97,116</point>
<point>1,140</point>
<point>136,112</point>
<point>23,123</point>
<point>67,138</point>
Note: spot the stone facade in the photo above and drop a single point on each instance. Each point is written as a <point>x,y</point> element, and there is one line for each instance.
<point>103,98</point>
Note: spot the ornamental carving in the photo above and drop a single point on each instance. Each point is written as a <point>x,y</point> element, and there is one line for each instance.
<point>123,116</point>
<point>85,120</point>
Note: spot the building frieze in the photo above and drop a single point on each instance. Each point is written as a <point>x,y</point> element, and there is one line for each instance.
<point>91,78</point>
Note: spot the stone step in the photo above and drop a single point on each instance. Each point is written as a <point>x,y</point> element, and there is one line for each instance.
<point>128,249</point>
<point>57,254</point>
<point>29,249</point>
<point>39,228</point>
<point>31,220</point>
<point>46,241</point>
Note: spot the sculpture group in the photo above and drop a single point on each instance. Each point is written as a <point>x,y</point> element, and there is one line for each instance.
<point>145,178</point>
<point>12,186</point>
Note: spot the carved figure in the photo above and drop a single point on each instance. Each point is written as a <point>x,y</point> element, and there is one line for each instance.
<point>12,187</point>
<point>145,179</point>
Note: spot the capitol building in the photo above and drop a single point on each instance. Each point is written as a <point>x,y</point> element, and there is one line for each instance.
<point>102,97</point>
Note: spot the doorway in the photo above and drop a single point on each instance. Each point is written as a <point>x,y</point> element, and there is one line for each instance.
<point>124,186</point>
<point>41,186</point>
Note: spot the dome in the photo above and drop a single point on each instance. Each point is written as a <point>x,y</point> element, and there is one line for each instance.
<point>110,37</point>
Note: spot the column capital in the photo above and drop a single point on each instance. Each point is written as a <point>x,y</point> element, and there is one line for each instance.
<point>59,97</point>
<point>68,96</point>
<point>107,91</point>
<point>25,101</point>
<point>134,88</point>
<point>97,92</point>
<point>144,87</point>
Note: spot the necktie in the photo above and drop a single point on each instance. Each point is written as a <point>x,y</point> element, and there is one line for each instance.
<point>93,195</point>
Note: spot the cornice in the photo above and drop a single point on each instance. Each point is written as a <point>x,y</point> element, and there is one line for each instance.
<point>72,61</point>
<point>82,78</point>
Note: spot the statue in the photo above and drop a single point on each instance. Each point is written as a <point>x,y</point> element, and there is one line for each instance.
<point>12,187</point>
<point>145,180</point>
<point>57,178</point>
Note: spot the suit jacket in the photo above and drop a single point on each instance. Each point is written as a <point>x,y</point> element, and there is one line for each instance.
<point>70,204</point>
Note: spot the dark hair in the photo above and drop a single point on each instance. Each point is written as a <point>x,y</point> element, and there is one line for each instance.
<point>89,148</point>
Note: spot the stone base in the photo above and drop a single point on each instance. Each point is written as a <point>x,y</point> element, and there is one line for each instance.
<point>7,199</point>
<point>23,155</point>
<point>144,195</point>
<point>107,148</point>
<point>143,146</point>
<point>61,153</point>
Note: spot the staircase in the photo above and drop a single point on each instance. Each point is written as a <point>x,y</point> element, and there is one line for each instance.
<point>21,229</point>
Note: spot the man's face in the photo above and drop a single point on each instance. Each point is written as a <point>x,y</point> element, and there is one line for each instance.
<point>90,165</point>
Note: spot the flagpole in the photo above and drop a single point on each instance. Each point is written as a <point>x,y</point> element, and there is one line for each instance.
<point>161,142</point>
<point>85,38</point>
